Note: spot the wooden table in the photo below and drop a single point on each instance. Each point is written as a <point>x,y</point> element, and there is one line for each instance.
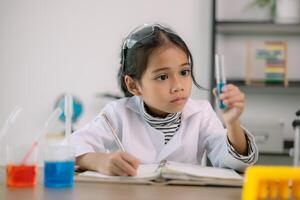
<point>109,191</point>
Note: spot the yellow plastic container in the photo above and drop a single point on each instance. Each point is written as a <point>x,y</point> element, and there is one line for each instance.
<point>271,182</point>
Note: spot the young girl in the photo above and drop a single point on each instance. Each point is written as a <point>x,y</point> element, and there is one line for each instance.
<point>157,120</point>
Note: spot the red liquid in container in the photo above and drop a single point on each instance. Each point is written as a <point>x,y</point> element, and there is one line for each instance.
<point>21,175</point>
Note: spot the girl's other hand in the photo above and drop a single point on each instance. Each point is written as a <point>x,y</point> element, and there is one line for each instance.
<point>235,102</point>
<point>120,164</point>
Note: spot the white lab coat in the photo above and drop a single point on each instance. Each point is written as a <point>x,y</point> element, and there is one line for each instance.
<point>200,131</point>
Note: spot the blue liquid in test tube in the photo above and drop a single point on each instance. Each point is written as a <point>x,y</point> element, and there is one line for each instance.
<point>59,174</point>
<point>220,78</point>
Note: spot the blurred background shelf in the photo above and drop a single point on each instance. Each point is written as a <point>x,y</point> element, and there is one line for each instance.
<point>274,159</point>
<point>284,158</point>
<point>254,28</point>
<point>270,110</point>
<point>293,88</point>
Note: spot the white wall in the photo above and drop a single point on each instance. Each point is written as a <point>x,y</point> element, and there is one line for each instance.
<point>55,46</point>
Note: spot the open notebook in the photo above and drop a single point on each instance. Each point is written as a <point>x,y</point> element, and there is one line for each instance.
<point>171,173</point>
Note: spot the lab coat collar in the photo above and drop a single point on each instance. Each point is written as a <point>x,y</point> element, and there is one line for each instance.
<point>134,103</point>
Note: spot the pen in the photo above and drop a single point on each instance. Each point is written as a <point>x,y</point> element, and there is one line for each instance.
<point>113,132</point>
<point>220,78</point>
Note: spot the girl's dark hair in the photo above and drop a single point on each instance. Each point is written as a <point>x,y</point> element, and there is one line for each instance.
<point>134,60</point>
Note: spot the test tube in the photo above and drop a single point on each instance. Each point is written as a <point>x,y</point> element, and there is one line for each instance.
<point>220,78</point>
<point>68,111</point>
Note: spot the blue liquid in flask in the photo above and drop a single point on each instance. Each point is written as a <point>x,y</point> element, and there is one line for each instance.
<point>59,174</point>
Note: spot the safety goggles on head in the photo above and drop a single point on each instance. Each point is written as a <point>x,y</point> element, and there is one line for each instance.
<point>140,33</point>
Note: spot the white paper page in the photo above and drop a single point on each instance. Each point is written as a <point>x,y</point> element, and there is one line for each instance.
<point>145,171</point>
<point>199,171</point>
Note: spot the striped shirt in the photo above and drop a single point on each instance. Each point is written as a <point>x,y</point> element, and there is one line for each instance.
<point>168,125</point>
<point>251,153</point>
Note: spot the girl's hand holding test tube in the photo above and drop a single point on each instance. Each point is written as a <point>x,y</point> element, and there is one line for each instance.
<point>233,98</point>
<point>232,101</point>
<point>230,98</point>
